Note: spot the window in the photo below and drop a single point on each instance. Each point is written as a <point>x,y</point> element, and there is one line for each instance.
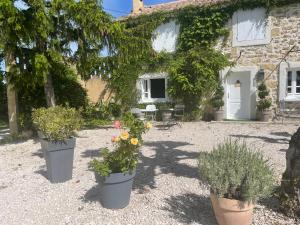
<point>158,88</point>
<point>153,89</point>
<point>250,27</point>
<point>293,83</point>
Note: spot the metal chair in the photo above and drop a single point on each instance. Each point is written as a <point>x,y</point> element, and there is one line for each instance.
<point>151,111</point>
<point>179,112</point>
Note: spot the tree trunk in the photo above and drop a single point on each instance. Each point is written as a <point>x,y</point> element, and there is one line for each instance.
<point>49,91</point>
<point>290,184</point>
<point>12,101</point>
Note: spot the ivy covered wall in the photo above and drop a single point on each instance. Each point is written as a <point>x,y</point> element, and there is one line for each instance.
<point>195,64</point>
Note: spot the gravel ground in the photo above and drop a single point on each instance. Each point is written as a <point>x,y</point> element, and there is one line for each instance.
<point>166,189</point>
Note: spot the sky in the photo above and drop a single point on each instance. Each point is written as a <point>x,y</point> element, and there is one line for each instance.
<point>123,7</point>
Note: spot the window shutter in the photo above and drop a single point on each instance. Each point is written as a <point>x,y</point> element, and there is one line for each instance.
<point>251,25</point>
<point>259,26</point>
<point>282,80</point>
<point>244,26</point>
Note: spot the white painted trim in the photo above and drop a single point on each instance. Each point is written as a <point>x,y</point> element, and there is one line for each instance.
<point>253,71</point>
<point>236,43</point>
<point>149,76</point>
<point>284,67</point>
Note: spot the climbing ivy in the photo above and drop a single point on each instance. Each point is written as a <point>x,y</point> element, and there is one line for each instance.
<point>194,66</point>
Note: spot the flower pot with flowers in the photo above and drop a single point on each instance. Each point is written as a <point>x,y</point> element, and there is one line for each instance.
<point>116,170</point>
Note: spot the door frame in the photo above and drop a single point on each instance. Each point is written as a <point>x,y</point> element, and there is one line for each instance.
<point>252,72</point>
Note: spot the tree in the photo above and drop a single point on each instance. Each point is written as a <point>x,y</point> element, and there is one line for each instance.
<point>38,36</point>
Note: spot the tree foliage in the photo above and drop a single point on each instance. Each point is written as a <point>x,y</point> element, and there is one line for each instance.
<point>194,76</point>
<point>40,34</point>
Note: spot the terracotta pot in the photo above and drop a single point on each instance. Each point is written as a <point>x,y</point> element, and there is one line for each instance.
<point>232,212</point>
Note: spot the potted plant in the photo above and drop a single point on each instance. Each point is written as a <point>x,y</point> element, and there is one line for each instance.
<point>237,178</point>
<point>57,127</point>
<point>218,103</point>
<point>264,103</point>
<point>116,170</point>
<point>166,113</point>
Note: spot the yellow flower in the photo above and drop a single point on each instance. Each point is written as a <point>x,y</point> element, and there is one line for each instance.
<point>124,135</point>
<point>117,139</point>
<point>148,125</point>
<point>134,141</point>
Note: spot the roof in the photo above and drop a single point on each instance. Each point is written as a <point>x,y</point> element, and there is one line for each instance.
<point>176,5</point>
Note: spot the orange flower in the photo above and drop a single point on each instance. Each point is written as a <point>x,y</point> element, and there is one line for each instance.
<point>134,141</point>
<point>113,138</point>
<point>124,136</point>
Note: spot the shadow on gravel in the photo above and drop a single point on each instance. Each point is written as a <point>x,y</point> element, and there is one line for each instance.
<point>90,153</point>
<point>39,153</point>
<point>190,208</point>
<point>92,195</point>
<point>42,171</point>
<point>275,139</point>
<point>166,159</point>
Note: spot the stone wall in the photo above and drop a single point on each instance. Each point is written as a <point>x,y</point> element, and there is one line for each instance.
<point>285,32</point>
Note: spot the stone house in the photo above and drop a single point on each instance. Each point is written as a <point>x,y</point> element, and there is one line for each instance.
<point>265,46</point>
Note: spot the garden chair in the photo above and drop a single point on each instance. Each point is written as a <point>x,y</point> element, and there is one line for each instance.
<point>179,112</point>
<point>151,112</point>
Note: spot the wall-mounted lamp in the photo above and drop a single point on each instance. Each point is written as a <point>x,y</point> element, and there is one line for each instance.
<point>260,76</point>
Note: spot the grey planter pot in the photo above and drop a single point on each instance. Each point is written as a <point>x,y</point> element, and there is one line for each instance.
<point>166,116</point>
<point>115,189</point>
<point>219,115</point>
<point>59,159</point>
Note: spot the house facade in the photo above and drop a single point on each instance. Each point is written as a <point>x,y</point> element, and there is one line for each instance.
<point>264,46</point>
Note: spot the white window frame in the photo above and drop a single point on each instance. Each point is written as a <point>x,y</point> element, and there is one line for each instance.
<point>236,43</point>
<point>147,78</point>
<point>285,67</point>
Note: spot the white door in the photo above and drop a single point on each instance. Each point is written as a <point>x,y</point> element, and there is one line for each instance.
<point>238,96</point>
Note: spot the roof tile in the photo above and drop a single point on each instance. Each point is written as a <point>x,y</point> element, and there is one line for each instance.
<point>176,5</point>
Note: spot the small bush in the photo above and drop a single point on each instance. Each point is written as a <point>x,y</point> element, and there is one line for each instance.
<point>57,123</point>
<point>101,111</point>
<point>234,171</point>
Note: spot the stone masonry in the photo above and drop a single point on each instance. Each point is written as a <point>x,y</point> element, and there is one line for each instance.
<point>285,33</point>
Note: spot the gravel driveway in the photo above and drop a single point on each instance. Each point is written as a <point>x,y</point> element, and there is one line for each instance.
<point>166,189</point>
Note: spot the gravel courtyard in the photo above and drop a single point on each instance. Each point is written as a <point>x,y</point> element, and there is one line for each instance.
<point>166,189</point>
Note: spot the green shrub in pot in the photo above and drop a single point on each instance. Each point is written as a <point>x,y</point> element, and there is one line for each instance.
<point>58,126</point>
<point>235,173</point>
<point>264,104</point>
<point>57,123</point>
